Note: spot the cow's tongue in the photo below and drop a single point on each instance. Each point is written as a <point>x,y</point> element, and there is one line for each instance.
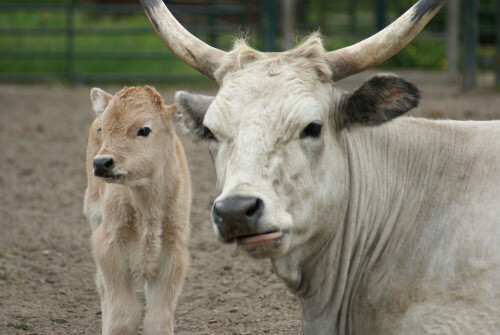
<point>261,238</point>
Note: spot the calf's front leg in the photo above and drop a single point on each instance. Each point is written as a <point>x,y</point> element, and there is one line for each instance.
<point>120,309</point>
<point>163,290</point>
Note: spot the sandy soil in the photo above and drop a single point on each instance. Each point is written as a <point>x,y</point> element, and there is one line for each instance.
<point>46,269</point>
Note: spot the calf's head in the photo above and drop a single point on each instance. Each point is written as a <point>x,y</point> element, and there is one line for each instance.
<point>131,129</point>
<point>274,133</point>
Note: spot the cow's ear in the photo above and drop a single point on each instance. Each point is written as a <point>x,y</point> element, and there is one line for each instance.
<point>100,100</point>
<point>379,99</point>
<point>192,108</point>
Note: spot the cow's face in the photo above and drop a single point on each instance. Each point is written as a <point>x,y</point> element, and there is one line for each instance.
<point>274,133</point>
<point>134,126</point>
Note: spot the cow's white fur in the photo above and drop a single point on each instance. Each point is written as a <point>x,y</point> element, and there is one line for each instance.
<point>140,222</point>
<point>392,229</point>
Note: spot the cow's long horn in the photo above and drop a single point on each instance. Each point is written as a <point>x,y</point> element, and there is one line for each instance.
<point>385,44</point>
<point>181,42</point>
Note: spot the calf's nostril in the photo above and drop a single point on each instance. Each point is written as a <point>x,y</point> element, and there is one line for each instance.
<point>108,163</point>
<point>103,165</point>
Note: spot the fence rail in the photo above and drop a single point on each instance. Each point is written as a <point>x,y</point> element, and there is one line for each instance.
<point>67,33</point>
<point>76,40</point>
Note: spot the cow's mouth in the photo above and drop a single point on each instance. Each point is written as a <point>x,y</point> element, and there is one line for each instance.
<point>261,239</point>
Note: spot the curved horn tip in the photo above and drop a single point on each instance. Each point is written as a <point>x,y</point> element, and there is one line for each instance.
<point>384,44</point>
<point>424,7</point>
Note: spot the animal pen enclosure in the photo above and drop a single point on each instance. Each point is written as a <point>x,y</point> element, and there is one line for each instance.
<point>46,269</point>
<point>99,40</point>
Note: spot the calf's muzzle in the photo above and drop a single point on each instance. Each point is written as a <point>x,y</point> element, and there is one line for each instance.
<point>237,216</point>
<point>103,166</point>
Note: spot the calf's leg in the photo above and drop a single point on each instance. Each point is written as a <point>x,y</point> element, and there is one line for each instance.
<point>163,290</point>
<point>120,309</point>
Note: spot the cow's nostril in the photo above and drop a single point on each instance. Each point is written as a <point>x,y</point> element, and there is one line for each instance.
<point>237,209</point>
<point>255,209</point>
<point>237,216</point>
<point>216,212</point>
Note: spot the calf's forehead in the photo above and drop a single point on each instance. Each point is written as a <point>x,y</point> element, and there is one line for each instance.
<point>122,113</point>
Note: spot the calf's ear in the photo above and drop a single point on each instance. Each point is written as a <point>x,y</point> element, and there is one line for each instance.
<point>379,99</point>
<point>100,100</point>
<point>170,111</point>
<point>192,109</point>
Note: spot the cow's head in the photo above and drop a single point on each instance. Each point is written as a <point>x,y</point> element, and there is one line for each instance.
<point>275,127</point>
<point>274,136</point>
<point>132,127</point>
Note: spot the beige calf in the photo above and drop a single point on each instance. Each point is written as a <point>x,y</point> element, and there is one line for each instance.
<point>137,202</point>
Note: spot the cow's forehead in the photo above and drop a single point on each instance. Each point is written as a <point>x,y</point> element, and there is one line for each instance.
<point>273,101</point>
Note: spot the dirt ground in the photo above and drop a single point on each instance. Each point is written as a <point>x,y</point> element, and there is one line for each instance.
<point>46,269</point>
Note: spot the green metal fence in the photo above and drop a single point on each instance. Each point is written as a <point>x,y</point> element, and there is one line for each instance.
<point>85,40</point>
<point>77,41</point>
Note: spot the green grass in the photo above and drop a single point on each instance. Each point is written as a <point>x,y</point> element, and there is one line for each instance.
<point>20,325</point>
<point>2,255</point>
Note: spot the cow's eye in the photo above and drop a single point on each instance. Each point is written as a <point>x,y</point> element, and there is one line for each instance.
<point>207,134</point>
<point>144,131</point>
<point>99,129</point>
<point>313,129</point>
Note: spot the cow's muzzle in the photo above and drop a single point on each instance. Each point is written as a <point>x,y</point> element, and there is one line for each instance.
<point>239,218</point>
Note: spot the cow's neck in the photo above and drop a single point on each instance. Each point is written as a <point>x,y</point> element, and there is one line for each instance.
<point>318,280</point>
<point>402,176</point>
<point>390,167</point>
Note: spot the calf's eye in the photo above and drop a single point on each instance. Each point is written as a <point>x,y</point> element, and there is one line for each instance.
<point>313,129</point>
<point>144,131</point>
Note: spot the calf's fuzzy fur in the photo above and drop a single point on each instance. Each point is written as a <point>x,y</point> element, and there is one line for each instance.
<point>139,210</point>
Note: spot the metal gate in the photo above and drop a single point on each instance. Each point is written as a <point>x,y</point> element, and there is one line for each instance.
<point>78,40</point>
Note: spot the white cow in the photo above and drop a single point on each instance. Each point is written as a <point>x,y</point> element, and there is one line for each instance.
<point>137,202</point>
<point>379,224</point>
